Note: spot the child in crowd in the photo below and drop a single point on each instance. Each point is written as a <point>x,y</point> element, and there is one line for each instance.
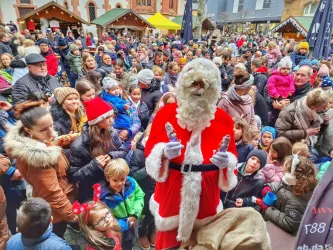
<point>75,62</point>
<point>241,130</point>
<point>273,54</point>
<point>98,225</point>
<point>159,75</point>
<point>301,149</point>
<point>34,224</point>
<point>278,151</point>
<point>293,194</point>
<point>124,196</point>
<point>301,53</point>
<point>111,94</point>
<point>281,84</point>
<point>249,184</point>
<point>267,136</point>
<point>254,136</point>
<point>138,106</point>
<point>167,98</point>
<point>171,75</point>
<point>326,162</point>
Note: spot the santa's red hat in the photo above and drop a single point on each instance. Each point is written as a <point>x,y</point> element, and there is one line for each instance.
<point>97,110</point>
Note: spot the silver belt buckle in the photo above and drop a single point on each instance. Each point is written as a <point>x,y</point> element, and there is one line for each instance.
<point>188,171</point>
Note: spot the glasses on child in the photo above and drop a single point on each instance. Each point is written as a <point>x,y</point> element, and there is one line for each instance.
<point>103,220</point>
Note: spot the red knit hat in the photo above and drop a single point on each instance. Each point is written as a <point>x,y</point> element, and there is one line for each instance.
<point>97,110</point>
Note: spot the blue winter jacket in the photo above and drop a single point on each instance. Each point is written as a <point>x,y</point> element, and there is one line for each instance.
<point>48,241</point>
<point>122,120</point>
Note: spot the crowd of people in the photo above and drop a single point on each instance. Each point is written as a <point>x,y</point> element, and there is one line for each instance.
<point>75,125</point>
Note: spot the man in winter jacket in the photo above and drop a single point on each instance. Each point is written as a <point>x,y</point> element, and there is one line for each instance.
<point>259,73</point>
<point>157,61</point>
<point>228,69</point>
<point>51,59</point>
<point>83,39</point>
<point>36,80</point>
<point>4,44</point>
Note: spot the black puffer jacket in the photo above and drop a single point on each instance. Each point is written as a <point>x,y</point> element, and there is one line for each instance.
<point>152,95</point>
<point>247,186</point>
<point>62,122</point>
<point>289,208</point>
<point>84,169</point>
<point>229,71</point>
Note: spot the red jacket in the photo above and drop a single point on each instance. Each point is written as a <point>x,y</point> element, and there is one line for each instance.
<point>52,64</point>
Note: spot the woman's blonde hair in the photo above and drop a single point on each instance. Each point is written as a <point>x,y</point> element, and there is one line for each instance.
<point>95,238</point>
<point>5,54</point>
<point>116,168</point>
<point>301,148</point>
<point>159,70</point>
<point>317,98</point>
<point>28,43</point>
<point>305,174</point>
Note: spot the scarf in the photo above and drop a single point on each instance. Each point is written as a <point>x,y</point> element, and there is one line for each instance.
<point>135,104</point>
<point>7,75</point>
<point>170,79</point>
<point>304,115</point>
<point>233,96</point>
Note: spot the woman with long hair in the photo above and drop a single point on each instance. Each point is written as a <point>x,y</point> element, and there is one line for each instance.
<point>6,72</point>
<point>97,144</point>
<point>41,163</point>
<point>125,78</point>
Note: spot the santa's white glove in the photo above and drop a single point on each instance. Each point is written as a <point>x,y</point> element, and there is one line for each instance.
<point>220,159</point>
<point>173,150</point>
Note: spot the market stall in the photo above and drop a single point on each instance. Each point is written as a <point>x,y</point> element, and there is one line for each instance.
<point>294,27</point>
<point>119,19</point>
<point>207,24</point>
<point>163,23</point>
<point>53,16</point>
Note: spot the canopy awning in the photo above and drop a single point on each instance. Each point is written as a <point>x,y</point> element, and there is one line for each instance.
<point>300,24</point>
<point>206,24</point>
<point>163,23</point>
<point>119,18</point>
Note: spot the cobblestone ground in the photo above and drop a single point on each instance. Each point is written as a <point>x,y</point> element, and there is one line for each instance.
<point>74,238</point>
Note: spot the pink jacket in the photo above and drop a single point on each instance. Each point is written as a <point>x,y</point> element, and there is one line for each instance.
<point>272,173</point>
<point>272,56</point>
<point>279,85</point>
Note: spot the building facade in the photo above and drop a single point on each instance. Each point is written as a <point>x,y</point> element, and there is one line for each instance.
<point>88,10</point>
<point>299,8</point>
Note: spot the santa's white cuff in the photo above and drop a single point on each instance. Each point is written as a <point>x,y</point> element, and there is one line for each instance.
<point>227,177</point>
<point>154,163</point>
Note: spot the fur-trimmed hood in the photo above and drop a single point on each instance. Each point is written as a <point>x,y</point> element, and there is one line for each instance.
<point>33,152</point>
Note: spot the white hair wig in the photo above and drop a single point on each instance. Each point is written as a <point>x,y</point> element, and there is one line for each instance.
<point>197,106</point>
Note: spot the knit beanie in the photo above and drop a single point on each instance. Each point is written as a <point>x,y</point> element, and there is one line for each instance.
<point>323,70</point>
<point>62,42</point>
<point>327,82</point>
<point>61,93</point>
<point>145,76</point>
<point>72,47</point>
<point>262,156</point>
<point>42,41</point>
<point>109,83</point>
<point>303,45</point>
<point>296,68</point>
<point>97,110</point>
<point>285,63</point>
<point>195,46</point>
<point>306,62</point>
<point>315,62</point>
<point>217,60</point>
<point>183,60</point>
<point>270,130</point>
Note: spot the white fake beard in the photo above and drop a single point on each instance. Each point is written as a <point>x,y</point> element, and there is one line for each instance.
<point>196,111</point>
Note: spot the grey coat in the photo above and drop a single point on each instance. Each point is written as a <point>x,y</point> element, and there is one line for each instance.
<point>5,48</point>
<point>29,84</point>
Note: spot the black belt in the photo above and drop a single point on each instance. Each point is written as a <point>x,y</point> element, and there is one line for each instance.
<point>188,168</point>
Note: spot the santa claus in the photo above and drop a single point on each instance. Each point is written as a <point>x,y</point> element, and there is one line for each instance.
<point>190,172</point>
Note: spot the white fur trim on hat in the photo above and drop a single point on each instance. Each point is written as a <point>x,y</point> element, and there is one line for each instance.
<point>101,118</point>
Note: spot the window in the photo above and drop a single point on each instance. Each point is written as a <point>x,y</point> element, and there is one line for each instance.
<point>24,1</point>
<point>92,11</point>
<point>310,9</point>
<point>23,11</point>
<point>238,6</point>
<point>143,2</point>
<point>171,5</point>
<point>263,4</point>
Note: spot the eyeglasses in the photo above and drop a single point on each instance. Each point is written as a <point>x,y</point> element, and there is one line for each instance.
<point>108,215</point>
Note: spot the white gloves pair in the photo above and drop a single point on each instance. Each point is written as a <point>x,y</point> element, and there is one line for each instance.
<point>173,150</point>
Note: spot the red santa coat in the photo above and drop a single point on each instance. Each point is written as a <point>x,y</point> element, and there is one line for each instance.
<point>181,201</point>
